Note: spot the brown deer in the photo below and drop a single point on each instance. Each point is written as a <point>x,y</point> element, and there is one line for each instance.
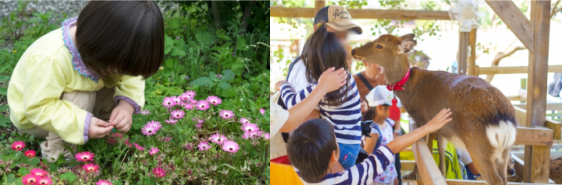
<point>483,119</point>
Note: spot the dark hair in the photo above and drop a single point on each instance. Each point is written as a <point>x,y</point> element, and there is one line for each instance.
<point>372,113</point>
<point>321,51</point>
<point>124,37</point>
<point>310,148</point>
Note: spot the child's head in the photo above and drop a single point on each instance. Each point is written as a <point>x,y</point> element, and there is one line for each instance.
<point>379,101</point>
<point>124,37</point>
<point>312,149</point>
<point>321,51</point>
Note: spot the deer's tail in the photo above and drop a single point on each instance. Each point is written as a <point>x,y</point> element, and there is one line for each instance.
<point>493,161</point>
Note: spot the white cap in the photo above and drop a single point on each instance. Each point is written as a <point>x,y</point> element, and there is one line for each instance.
<point>380,95</point>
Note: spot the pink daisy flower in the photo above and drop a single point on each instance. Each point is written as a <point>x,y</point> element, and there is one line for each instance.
<point>254,134</point>
<point>30,153</point>
<point>45,181</point>
<point>165,139</point>
<point>159,172</point>
<point>30,179</point>
<point>176,100</point>
<point>153,151</point>
<point>198,125</point>
<point>168,102</point>
<point>218,138</point>
<point>155,124</point>
<point>214,100</point>
<point>193,101</point>
<point>203,146</point>
<point>85,156</point>
<point>188,106</point>
<point>148,130</point>
<point>262,111</point>
<point>127,143</point>
<point>39,172</point>
<point>145,112</point>
<point>171,121</point>
<point>266,136</point>
<point>114,138</point>
<point>226,114</point>
<point>103,182</point>
<point>202,105</point>
<point>244,120</point>
<point>184,97</point>
<point>178,114</point>
<point>249,127</point>
<point>18,145</point>
<point>190,94</point>
<point>139,147</point>
<point>91,167</point>
<point>230,146</point>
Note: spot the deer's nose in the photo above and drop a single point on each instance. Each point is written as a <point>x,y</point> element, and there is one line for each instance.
<point>353,52</point>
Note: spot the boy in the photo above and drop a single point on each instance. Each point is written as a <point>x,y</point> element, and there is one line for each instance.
<point>314,152</point>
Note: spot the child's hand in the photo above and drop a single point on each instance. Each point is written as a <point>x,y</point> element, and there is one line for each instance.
<point>332,80</point>
<point>278,84</point>
<point>439,120</point>
<point>98,128</point>
<point>122,116</point>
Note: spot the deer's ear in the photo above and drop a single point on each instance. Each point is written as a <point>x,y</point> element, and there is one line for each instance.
<point>407,45</point>
<point>410,36</point>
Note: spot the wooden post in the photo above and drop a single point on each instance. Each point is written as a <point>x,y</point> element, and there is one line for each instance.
<point>463,52</point>
<point>537,157</point>
<point>319,4</point>
<point>472,53</point>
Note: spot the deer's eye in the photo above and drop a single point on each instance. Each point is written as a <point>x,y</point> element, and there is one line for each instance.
<point>379,46</point>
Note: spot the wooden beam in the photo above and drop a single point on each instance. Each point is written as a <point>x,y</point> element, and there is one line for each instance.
<point>463,52</point>
<point>549,105</point>
<point>473,182</point>
<point>536,136</point>
<point>427,168</point>
<point>520,116</point>
<point>556,128</point>
<point>319,4</point>
<point>515,69</point>
<point>515,21</point>
<point>278,11</point>
<point>472,53</point>
<point>407,164</point>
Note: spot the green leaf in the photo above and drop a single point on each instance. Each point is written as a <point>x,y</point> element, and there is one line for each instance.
<point>69,176</point>
<point>224,85</point>
<point>23,171</point>
<point>227,75</point>
<point>213,76</point>
<point>241,44</point>
<point>201,81</point>
<point>169,63</point>
<point>4,107</point>
<point>167,49</point>
<point>35,161</point>
<point>178,52</point>
<point>3,91</point>
<point>175,23</point>
<point>4,78</point>
<point>168,42</point>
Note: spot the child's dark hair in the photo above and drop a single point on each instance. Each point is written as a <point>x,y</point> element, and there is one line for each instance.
<point>371,113</point>
<point>321,51</point>
<point>310,148</point>
<point>124,37</point>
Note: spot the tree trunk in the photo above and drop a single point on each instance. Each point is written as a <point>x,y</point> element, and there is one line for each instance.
<point>245,17</point>
<point>216,13</point>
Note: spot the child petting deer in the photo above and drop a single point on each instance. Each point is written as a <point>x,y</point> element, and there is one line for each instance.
<point>483,118</point>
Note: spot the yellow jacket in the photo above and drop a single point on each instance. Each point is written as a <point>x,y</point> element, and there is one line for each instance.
<point>45,71</point>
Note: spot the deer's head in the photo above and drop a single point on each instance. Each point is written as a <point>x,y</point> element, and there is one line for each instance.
<point>388,51</point>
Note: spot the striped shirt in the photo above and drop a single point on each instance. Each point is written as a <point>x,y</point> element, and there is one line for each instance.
<point>362,173</point>
<point>346,118</point>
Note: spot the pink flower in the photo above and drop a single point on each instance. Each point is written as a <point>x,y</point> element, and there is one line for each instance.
<point>159,172</point>
<point>244,120</point>
<point>193,101</point>
<point>214,100</point>
<point>218,138</point>
<point>184,97</point>
<point>30,153</point>
<point>155,124</point>
<point>230,146</point>
<point>198,125</point>
<point>85,156</point>
<point>190,94</point>
<point>188,106</point>
<point>153,151</point>
<point>202,105</point>
<point>266,136</point>
<point>45,181</point>
<point>203,146</point>
<point>103,182</point>
<point>226,114</point>
<point>188,146</point>
<point>114,138</point>
<point>176,100</point>
<point>262,111</point>
<point>39,172</point>
<point>127,143</point>
<point>171,121</point>
<point>139,147</point>
<point>91,167</point>
<point>178,114</point>
<point>219,76</point>
<point>165,139</point>
<point>249,127</point>
<point>254,134</point>
<point>148,130</point>
<point>18,145</point>
<point>29,179</point>
<point>168,102</point>
<point>145,112</point>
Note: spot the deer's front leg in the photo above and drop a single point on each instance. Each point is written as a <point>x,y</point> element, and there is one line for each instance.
<point>441,145</point>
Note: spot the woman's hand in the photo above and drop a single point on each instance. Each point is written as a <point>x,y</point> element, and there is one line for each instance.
<point>122,116</point>
<point>98,128</point>
<point>439,120</point>
<point>332,80</point>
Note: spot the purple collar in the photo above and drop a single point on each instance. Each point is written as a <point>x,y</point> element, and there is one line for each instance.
<point>76,60</point>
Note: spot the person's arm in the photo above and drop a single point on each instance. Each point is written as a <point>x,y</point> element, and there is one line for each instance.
<point>371,142</point>
<point>473,169</point>
<point>406,140</point>
<point>130,89</point>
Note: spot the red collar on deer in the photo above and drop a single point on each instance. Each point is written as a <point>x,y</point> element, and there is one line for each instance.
<point>398,85</point>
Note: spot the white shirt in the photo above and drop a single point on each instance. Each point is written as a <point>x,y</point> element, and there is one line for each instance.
<point>297,76</point>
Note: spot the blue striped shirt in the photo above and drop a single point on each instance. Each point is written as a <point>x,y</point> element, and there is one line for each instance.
<point>362,173</point>
<point>346,118</point>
